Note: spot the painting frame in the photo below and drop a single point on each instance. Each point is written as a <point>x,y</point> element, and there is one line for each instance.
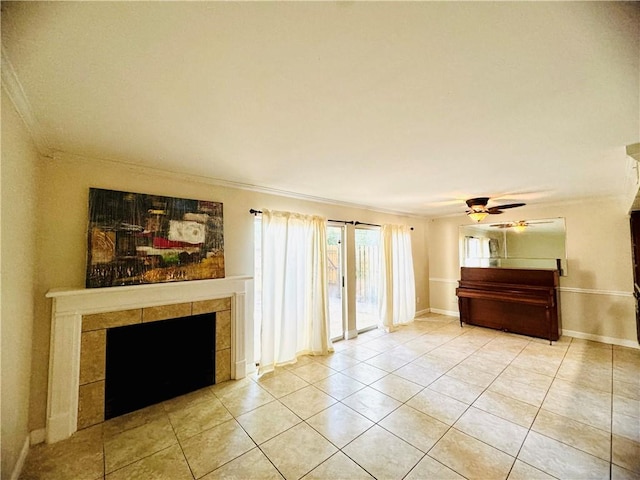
<point>139,238</point>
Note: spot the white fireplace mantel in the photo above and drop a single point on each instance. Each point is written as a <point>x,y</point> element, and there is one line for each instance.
<point>69,305</point>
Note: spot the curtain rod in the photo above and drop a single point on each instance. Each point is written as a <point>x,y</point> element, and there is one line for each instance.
<point>257,212</point>
<point>371,224</point>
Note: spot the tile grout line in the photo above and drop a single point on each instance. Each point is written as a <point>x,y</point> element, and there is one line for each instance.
<point>537,413</point>
<point>578,421</point>
<point>470,405</point>
<point>184,455</point>
<point>377,423</point>
<point>339,401</point>
<point>256,445</point>
<point>450,427</point>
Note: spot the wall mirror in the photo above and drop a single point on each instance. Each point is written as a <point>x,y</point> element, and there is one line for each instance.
<point>538,243</point>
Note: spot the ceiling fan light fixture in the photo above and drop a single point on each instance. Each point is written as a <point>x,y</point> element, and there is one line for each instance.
<point>520,227</point>
<point>477,216</point>
<point>478,208</point>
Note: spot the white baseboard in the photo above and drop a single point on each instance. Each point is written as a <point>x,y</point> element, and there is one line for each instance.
<point>17,469</point>
<point>251,368</point>
<point>601,338</point>
<point>451,313</point>
<point>240,370</point>
<point>421,312</point>
<point>38,436</point>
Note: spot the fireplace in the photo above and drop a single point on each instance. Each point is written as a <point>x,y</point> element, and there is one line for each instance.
<point>128,326</point>
<point>83,319</point>
<point>148,363</point>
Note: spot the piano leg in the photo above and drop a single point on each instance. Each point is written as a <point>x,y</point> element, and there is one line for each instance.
<point>462,309</point>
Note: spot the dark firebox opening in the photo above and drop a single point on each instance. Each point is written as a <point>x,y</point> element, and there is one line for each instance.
<point>151,362</point>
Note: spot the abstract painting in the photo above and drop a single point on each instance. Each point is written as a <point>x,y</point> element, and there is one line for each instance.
<point>136,238</point>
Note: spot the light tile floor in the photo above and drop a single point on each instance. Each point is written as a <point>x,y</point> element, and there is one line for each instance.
<point>431,400</point>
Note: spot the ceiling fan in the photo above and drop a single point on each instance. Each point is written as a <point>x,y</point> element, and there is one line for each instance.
<point>478,208</point>
<point>520,225</point>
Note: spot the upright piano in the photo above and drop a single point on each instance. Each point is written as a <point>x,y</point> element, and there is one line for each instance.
<point>515,300</point>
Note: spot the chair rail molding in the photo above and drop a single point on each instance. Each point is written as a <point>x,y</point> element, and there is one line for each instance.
<point>591,291</point>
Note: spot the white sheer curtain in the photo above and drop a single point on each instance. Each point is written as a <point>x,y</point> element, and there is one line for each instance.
<point>398,289</point>
<point>295,303</point>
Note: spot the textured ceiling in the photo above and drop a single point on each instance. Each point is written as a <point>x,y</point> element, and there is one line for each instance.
<point>410,107</point>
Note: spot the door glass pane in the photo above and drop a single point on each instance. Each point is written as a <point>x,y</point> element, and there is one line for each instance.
<point>367,277</point>
<point>334,281</point>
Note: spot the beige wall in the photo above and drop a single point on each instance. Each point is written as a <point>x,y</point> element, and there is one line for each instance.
<point>63,222</point>
<point>536,245</point>
<point>595,296</point>
<point>18,262</point>
<point>444,262</point>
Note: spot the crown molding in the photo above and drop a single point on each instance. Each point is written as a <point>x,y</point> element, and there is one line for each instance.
<point>13,87</point>
<point>65,156</point>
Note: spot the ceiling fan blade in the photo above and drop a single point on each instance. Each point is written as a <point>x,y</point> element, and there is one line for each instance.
<point>509,205</point>
<point>501,225</point>
<point>479,204</point>
<point>493,210</point>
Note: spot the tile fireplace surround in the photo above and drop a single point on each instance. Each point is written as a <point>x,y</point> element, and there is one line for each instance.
<point>161,299</point>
